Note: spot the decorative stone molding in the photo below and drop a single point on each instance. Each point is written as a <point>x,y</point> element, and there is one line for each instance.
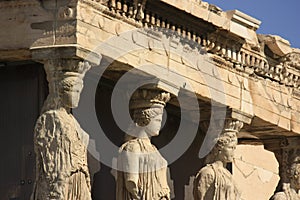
<point>43,53</point>
<point>234,53</point>
<point>213,44</point>
<point>133,9</point>
<point>289,68</point>
<point>286,71</point>
<point>145,98</point>
<point>291,60</point>
<point>120,9</point>
<point>233,126</point>
<point>242,18</point>
<point>59,69</point>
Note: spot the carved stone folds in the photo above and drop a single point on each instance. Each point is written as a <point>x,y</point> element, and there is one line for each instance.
<point>139,162</point>
<point>61,34</point>
<point>60,144</point>
<point>214,181</point>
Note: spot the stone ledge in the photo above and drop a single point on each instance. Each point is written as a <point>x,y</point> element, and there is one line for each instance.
<point>64,51</point>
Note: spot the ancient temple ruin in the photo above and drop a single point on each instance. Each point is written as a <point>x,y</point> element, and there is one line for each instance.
<point>214,67</point>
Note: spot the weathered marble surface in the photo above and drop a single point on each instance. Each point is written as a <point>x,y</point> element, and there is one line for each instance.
<point>291,190</point>
<point>214,181</point>
<point>60,144</point>
<point>142,171</point>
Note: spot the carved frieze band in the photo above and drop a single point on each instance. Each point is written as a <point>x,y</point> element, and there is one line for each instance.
<point>225,53</point>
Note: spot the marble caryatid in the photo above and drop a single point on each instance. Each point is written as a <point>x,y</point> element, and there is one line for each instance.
<point>214,181</point>
<point>291,190</point>
<point>142,171</point>
<point>59,142</point>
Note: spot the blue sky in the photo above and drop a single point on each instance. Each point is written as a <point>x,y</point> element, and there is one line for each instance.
<point>278,17</point>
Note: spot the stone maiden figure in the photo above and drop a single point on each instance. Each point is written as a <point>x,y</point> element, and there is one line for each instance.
<point>291,190</point>
<point>142,171</point>
<point>60,144</point>
<point>214,181</point>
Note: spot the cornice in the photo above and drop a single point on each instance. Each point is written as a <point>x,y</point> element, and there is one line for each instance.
<point>226,50</point>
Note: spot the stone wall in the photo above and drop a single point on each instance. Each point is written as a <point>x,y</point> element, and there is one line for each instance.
<point>255,171</point>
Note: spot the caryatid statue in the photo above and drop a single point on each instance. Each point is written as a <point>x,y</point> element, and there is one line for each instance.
<point>291,190</point>
<point>214,181</point>
<point>142,171</point>
<point>59,142</point>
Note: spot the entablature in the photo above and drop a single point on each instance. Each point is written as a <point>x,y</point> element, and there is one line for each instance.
<point>223,42</point>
